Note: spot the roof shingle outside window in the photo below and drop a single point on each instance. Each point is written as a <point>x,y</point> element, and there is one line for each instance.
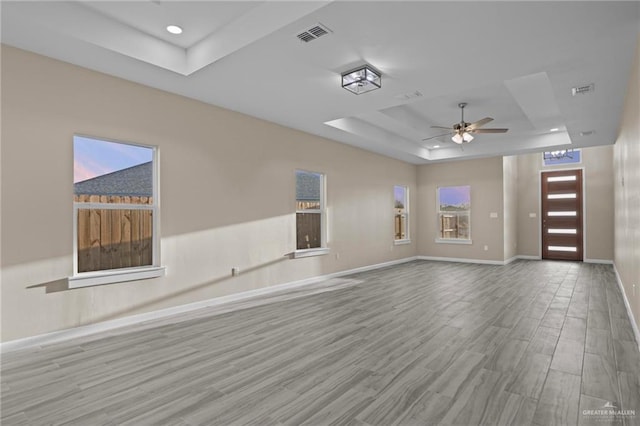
<point>136,181</point>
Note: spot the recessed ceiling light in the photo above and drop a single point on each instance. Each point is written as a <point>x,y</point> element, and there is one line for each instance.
<point>174,29</point>
<point>555,129</point>
<point>436,146</point>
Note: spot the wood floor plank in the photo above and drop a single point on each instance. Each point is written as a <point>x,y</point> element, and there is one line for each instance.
<point>574,329</point>
<point>397,398</point>
<point>525,329</point>
<point>458,375</point>
<point>505,358</point>
<point>630,396</point>
<point>483,401</point>
<point>599,342</point>
<point>598,318</point>
<point>544,341</point>
<point>531,373</point>
<point>554,318</point>
<point>559,401</point>
<point>526,412</point>
<point>622,330</point>
<point>600,378</point>
<point>430,408</point>
<point>627,356</point>
<point>568,357</point>
<point>412,344</point>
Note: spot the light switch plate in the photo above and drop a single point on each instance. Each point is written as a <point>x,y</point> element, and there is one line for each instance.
<point>532,215</point>
<point>493,215</point>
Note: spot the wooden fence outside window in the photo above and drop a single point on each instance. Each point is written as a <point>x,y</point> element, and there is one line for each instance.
<point>114,238</point>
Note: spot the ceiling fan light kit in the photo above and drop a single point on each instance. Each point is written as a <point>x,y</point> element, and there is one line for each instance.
<point>460,138</point>
<point>361,80</point>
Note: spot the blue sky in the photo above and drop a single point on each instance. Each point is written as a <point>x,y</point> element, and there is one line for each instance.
<point>398,193</point>
<point>455,195</point>
<point>94,157</point>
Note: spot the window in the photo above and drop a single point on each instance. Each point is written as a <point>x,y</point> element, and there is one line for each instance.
<point>310,212</point>
<point>401,213</point>
<point>115,211</point>
<point>454,214</point>
<point>563,156</point>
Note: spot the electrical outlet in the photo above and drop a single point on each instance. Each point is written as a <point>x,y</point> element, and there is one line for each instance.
<point>337,256</point>
<point>235,271</point>
<point>486,248</point>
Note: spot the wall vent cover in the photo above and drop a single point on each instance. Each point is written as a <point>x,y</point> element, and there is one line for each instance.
<point>313,33</point>
<point>582,90</point>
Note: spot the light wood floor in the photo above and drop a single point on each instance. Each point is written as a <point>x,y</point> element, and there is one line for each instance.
<point>533,342</point>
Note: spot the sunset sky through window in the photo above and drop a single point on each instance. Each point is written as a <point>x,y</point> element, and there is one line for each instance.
<point>95,157</point>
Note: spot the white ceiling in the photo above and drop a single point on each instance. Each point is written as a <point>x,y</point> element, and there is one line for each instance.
<point>513,61</point>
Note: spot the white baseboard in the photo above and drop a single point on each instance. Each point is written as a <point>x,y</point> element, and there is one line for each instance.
<point>481,261</point>
<point>86,330</point>
<point>602,261</point>
<point>634,325</point>
<point>462,260</point>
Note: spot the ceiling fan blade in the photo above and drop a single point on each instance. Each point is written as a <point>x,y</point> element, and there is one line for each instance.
<point>437,136</point>
<point>479,123</point>
<point>441,127</point>
<point>488,130</point>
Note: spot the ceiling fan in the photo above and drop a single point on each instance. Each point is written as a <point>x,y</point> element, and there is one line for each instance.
<point>462,131</point>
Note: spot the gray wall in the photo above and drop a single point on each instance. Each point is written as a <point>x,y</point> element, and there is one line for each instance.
<point>485,178</point>
<point>627,194</point>
<point>227,184</point>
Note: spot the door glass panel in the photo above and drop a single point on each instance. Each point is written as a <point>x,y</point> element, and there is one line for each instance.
<point>560,178</point>
<point>560,196</point>
<point>562,213</point>
<point>562,248</point>
<point>562,231</point>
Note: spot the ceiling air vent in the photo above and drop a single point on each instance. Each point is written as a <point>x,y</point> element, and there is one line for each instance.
<point>313,33</point>
<point>582,90</point>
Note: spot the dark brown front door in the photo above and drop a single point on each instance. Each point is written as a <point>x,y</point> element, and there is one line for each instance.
<point>562,215</point>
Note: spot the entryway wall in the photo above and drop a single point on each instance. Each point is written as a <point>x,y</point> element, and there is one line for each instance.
<point>597,163</point>
<point>510,187</point>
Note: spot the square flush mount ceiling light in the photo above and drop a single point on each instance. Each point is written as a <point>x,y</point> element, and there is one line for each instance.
<point>361,80</point>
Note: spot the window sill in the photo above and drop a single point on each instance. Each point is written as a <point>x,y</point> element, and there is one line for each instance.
<point>452,241</point>
<point>310,252</point>
<point>401,242</point>
<point>89,279</point>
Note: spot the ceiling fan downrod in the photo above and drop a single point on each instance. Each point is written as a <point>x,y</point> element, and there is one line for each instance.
<point>461,105</point>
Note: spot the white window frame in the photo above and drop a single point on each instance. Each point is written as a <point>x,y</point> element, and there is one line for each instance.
<point>405,213</point>
<point>322,250</point>
<point>110,276</point>
<point>438,212</point>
